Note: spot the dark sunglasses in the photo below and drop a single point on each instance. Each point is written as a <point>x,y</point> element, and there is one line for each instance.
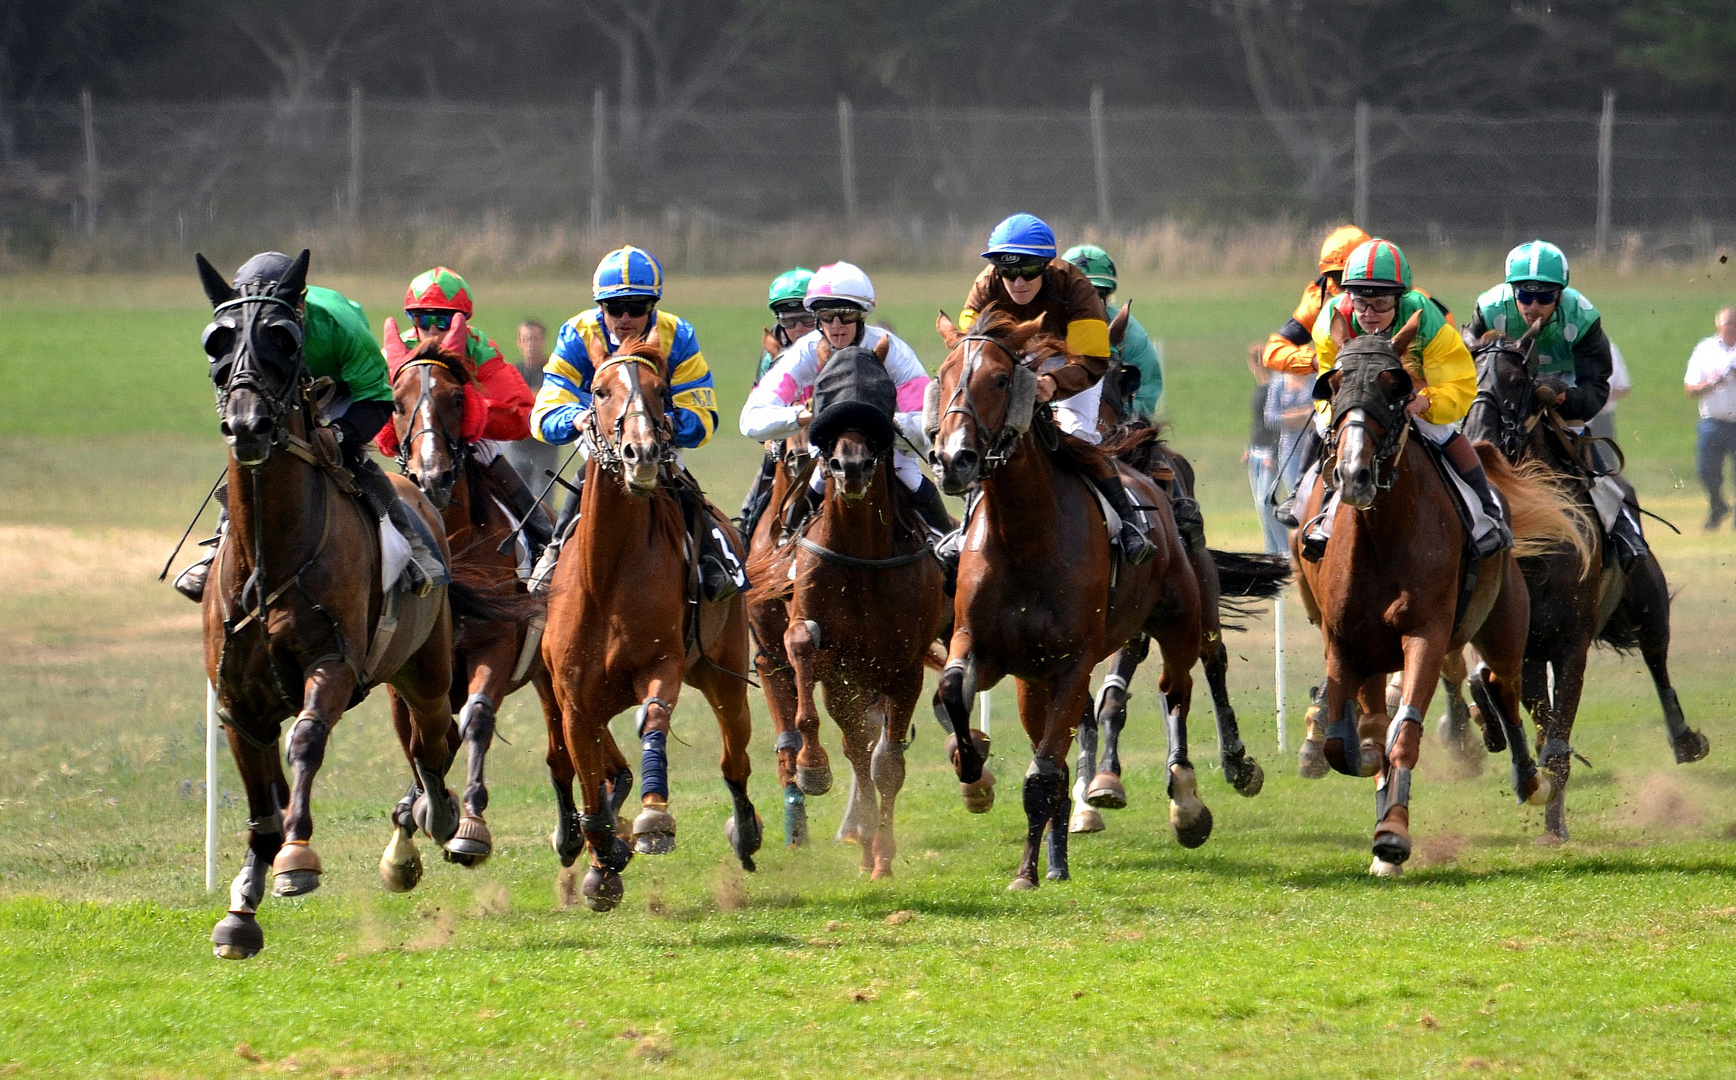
<point>628,309</point>
<point>797,320</point>
<point>431,320</point>
<point>1538,296</point>
<point>840,315</point>
<point>1022,272</point>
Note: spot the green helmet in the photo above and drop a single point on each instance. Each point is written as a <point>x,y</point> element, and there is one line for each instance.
<point>790,287</point>
<point>1537,260</point>
<point>1098,266</point>
<point>1378,264</point>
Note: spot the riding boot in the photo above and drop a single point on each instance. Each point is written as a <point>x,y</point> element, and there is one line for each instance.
<point>1628,540</point>
<point>932,508</point>
<point>538,529</point>
<point>563,528</point>
<point>759,494</point>
<point>1312,444</point>
<point>1499,537</point>
<point>721,575</point>
<point>949,547</point>
<point>191,581</point>
<point>1188,519</point>
<point>1135,547</point>
<point>426,568</point>
<point>801,507</point>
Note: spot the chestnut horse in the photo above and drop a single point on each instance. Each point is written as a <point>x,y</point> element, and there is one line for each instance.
<point>626,627</point>
<point>1569,607</point>
<point>1042,596</point>
<point>863,610</point>
<point>497,652</point>
<point>297,623</point>
<point>1386,593</point>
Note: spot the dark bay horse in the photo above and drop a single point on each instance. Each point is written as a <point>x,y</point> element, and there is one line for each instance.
<point>297,623</point>
<point>1570,608</point>
<point>863,609</point>
<point>1042,596</point>
<point>496,651</point>
<point>1386,593</point>
<point>626,626</point>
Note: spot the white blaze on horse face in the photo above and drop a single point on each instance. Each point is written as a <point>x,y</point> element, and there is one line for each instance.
<point>1355,466</point>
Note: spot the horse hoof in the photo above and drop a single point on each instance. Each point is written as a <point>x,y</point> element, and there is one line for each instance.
<point>1021,884</point>
<point>1058,873</point>
<point>1691,747</point>
<point>814,781</point>
<point>295,883</point>
<point>744,847</point>
<point>1543,792</point>
<point>654,832</point>
<point>979,798</point>
<point>882,868</point>
<point>1391,849</point>
<point>401,865</point>
<point>1381,868</point>
<point>472,844</point>
<point>1085,819</point>
<point>1371,758</point>
<point>297,868</point>
<point>1551,839</point>
<point>1106,792</point>
<point>438,819</point>
<point>1311,760</point>
<point>237,937</point>
<point>1249,780</point>
<point>602,889</point>
<point>567,850</point>
<point>1189,818</point>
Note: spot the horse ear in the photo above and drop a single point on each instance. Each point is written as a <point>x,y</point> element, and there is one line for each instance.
<point>884,348</point>
<point>949,331</point>
<point>1532,329</point>
<point>457,338</point>
<point>770,343</point>
<point>395,351</point>
<point>594,348</point>
<point>294,281</point>
<point>1118,325</point>
<point>825,351</point>
<point>1407,335</point>
<point>1340,328</point>
<point>217,290</point>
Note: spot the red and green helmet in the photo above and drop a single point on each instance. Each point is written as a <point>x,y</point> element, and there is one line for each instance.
<point>439,289</point>
<point>1377,264</point>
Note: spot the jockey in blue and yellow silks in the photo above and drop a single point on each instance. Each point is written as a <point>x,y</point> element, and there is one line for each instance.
<point>627,287</point>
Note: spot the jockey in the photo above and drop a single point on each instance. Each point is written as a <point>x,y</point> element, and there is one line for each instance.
<point>337,343</point>
<point>1378,300</point>
<point>841,298</point>
<point>431,301</point>
<point>1136,350</point>
<point>786,298</point>
<point>1026,280</point>
<point>627,285</point>
<point>1291,348</point>
<point>1574,359</point>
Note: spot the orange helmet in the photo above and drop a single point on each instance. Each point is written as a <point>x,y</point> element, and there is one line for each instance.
<point>1337,248</point>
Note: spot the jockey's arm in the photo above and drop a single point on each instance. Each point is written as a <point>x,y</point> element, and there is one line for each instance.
<point>507,397</point>
<point>1138,352</point>
<point>1592,366</point>
<point>691,391</point>
<point>1451,375</point>
<point>566,390</point>
<point>338,342</point>
<point>1291,348</point>
<point>912,380</point>
<point>773,409</point>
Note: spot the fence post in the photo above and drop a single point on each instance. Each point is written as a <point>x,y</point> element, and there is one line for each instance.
<point>1359,210</point>
<point>1278,672</point>
<point>1100,157</point>
<point>355,149</point>
<point>211,725</point>
<point>90,181</point>
<point>847,160</point>
<point>1605,146</point>
<point>599,129</point>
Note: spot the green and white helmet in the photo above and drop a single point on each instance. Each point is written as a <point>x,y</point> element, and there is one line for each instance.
<point>1099,268</point>
<point>789,290</point>
<point>1377,266</point>
<point>1537,260</point>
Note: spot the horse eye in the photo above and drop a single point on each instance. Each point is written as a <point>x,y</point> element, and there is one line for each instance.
<point>1003,381</point>
<point>217,341</point>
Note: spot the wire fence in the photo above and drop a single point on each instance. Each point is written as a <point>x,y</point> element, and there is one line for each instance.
<point>542,182</point>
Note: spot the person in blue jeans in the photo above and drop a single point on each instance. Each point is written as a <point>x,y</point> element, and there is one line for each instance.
<point>1711,379</point>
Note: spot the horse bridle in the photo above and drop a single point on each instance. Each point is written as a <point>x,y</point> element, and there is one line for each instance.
<point>246,372</point>
<point>1512,431</point>
<point>1000,446</point>
<point>607,453</point>
<point>456,447</point>
<point>1388,445</point>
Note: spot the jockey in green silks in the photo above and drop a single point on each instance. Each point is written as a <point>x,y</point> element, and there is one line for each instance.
<point>1136,350</point>
<point>786,298</point>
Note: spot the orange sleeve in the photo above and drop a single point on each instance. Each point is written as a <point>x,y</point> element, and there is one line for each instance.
<point>1291,349</point>
<point>509,401</point>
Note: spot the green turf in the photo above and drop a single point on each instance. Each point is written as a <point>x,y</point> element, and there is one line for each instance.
<point>1267,952</point>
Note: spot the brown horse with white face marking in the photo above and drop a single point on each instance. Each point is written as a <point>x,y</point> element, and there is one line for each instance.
<point>497,651</point>
<point>1386,592</point>
<point>1042,596</point>
<point>626,627</point>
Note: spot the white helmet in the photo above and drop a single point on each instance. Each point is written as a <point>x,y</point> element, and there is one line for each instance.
<point>840,281</point>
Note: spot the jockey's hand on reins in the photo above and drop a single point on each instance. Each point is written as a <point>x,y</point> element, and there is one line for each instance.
<point>1550,393</point>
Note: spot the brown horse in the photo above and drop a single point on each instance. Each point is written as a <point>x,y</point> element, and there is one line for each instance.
<point>863,609</point>
<point>1570,609</point>
<point>1042,596</point>
<point>626,627</point>
<point>297,623</point>
<point>496,652</point>
<point>1387,592</point>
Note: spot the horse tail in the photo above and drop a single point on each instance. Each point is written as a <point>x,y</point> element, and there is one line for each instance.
<point>485,591</point>
<point>1249,575</point>
<point>1545,517</point>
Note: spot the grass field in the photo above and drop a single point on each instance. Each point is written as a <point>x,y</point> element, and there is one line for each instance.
<point>1267,952</point>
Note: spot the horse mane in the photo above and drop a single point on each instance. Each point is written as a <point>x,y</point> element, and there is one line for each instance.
<point>998,325</point>
<point>433,350</point>
<point>1545,518</point>
<point>645,348</point>
<point>1140,445</point>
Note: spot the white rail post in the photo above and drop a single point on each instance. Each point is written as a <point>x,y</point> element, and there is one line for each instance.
<point>1359,210</point>
<point>1278,637</point>
<point>92,196</point>
<point>210,787</point>
<point>355,193</point>
<point>983,704</point>
<point>1100,157</point>
<point>1605,149</point>
<point>847,160</point>
<point>599,132</point>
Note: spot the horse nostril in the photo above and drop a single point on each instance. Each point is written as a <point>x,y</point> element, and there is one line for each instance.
<point>836,464</point>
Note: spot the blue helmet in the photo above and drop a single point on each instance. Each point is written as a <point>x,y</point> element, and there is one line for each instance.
<point>627,271</point>
<point>1020,238</point>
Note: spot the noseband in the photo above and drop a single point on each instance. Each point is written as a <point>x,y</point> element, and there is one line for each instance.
<point>607,452</point>
<point>1510,431</point>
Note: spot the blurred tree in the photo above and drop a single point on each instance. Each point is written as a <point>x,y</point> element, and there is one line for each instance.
<point>1688,42</point>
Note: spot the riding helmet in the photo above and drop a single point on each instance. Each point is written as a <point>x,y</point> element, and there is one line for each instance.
<point>1020,238</point>
<point>1377,266</point>
<point>627,271</point>
<point>788,290</point>
<point>1537,260</point>
<point>1099,268</point>
<point>439,289</point>
<point>1337,248</point>
<point>840,283</point>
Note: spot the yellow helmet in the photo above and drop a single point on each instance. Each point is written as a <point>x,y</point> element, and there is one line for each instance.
<point>1337,248</point>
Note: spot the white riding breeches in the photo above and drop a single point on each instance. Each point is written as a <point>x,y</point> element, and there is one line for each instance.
<point>484,451</point>
<point>1077,415</point>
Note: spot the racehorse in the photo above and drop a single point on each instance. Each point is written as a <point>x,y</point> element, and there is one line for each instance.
<point>297,623</point>
<point>493,656</point>
<point>1042,596</point>
<point>626,626</point>
<point>1570,608</point>
<point>1388,594</point>
<point>866,600</point>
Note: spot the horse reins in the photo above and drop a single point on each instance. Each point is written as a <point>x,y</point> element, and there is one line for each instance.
<point>1001,445</point>
<point>607,453</point>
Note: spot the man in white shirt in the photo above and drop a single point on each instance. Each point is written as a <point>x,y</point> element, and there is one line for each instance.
<point>1711,378</point>
<point>1620,382</point>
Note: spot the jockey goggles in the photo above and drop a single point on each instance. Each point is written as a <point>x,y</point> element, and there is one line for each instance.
<point>796,320</point>
<point>839,314</point>
<point>628,309</point>
<point>431,320</point>
<point>1536,296</point>
<point>1024,271</point>
<point>1378,304</point>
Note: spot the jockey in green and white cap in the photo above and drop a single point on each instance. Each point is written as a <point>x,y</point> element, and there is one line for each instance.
<point>1136,350</point>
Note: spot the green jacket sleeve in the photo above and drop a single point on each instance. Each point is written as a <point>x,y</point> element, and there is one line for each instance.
<point>1136,350</point>
<point>339,343</point>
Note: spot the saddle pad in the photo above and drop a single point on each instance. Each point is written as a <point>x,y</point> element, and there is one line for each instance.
<point>1480,521</point>
<point>394,555</point>
<point>1607,496</point>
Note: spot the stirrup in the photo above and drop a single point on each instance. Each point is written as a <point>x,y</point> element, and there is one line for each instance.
<point>191,581</point>
<point>716,583</point>
<point>1494,541</point>
<point>1285,513</point>
<point>544,569</point>
<point>1135,547</point>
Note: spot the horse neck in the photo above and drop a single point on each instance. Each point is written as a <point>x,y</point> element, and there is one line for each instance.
<point>278,504</point>
<point>618,530</point>
<point>1022,501</point>
<point>865,528</point>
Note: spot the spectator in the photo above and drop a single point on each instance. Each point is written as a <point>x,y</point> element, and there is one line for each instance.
<point>1261,456</point>
<point>1711,378</point>
<point>532,457</point>
<point>1289,411</point>
<point>1603,424</point>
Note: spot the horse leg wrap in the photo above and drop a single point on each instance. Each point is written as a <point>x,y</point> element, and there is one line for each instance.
<point>619,788</point>
<point>599,829</point>
<point>1087,762</point>
<point>1392,842</point>
<point>435,810</point>
<point>953,700</point>
<point>654,765</point>
<point>477,707</point>
<point>788,740</point>
<point>795,816</point>
<point>743,828</point>
<point>1687,744</point>
<point>1394,791</point>
<point>1407,714</point>
<point>1175,727</point>
<point>1557,754</point>
<point>1343,729</point>
<point>1045,798</point>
